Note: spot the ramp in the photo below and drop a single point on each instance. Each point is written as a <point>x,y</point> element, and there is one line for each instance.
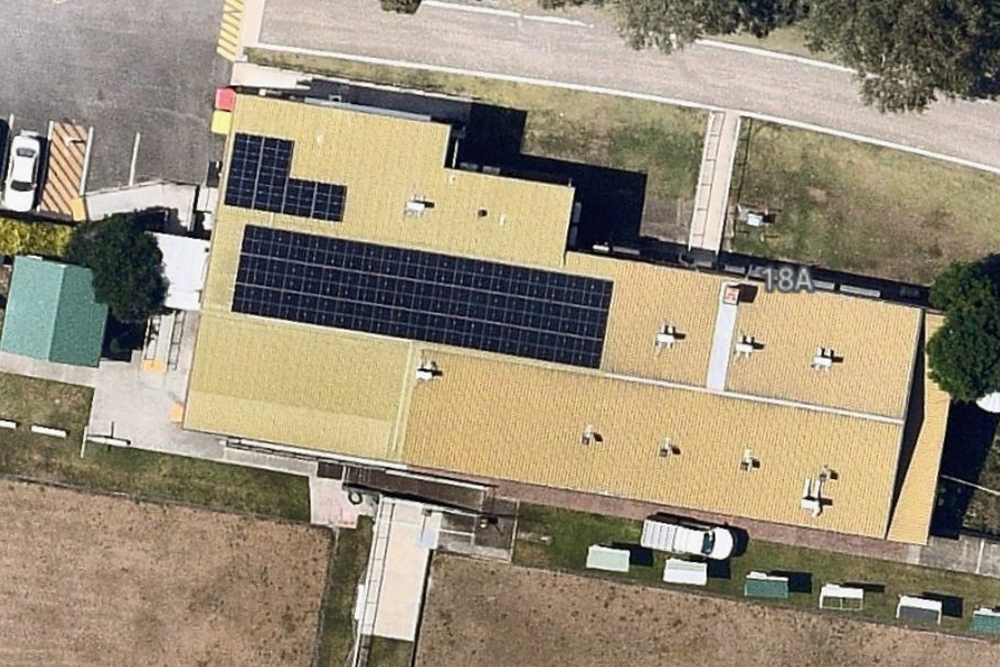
<point>405,534</point>
<point>712,196</point>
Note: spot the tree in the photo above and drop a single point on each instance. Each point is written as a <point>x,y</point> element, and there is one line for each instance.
<point>964,353</point>
<point>671,24</point>
<point>126,265</point>
<point>906,52</point>
<point>400,6</point>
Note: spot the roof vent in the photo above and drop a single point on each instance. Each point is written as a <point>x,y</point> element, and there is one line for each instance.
<point>749,461</point>
<point>427,371</point>
<point>824,359</point>
<point>812,491</point>
<point>590,436</point>
<point>417,205</point>
<point>482,213</point>
<point>746,345</point>
<point>668,449</point>
<point>666,337</point>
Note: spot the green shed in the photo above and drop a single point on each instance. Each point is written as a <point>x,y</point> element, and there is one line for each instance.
<point>986,620</point>
<point>52,313</point>
<point>762,585</point>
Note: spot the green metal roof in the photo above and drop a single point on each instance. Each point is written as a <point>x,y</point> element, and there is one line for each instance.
<point>52,313</point>
<point>766,588</point>
<point>986,622</point>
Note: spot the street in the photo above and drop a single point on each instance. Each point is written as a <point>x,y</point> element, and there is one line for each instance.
<point>593,54</point>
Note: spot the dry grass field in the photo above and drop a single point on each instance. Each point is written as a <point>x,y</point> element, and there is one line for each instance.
<point>89,580</point>
<point>488,614</point>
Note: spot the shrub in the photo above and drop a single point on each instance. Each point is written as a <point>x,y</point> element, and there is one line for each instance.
<point>400,6</point>
<point>47,239</point>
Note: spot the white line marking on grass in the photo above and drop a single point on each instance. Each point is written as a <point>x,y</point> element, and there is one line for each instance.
<point>647,97</point>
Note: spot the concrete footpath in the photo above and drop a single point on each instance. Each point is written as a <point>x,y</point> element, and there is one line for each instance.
<point>711,204</point>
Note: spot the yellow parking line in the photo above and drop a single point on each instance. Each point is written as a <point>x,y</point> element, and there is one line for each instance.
<point>229,30</point>
<point>67,151</point>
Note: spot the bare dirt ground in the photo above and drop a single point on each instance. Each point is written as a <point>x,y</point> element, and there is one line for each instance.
<point>90,580</point>
<point>488,614</point>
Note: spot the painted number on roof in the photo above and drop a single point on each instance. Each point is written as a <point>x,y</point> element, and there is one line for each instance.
<point>787,280</point>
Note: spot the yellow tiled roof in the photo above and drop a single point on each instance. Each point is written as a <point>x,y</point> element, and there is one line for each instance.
<point>519,419</point>
<point>510,420</point>
<point>911,517</point>
<point>644,299</point>
<point>297,385</point>
<point>384,161</point>
<point>876,342</point>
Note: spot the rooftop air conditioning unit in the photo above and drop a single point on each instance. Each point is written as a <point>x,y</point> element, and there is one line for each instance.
<point>812,490</point>
<point>749,461</point>
<point>745,346</point>
<point>666,337</point>
<point>668,449</point>
<point>428,371</point>
<point>590,436</point>
<point>823,361</point>
<point>417,205</point>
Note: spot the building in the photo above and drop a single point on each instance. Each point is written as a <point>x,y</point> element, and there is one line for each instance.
<point>366,299</point>
<point>52,314</point>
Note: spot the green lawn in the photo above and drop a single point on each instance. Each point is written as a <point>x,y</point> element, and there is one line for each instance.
<point>662,141</point>
<point>390,653</point>
<point>136,472</point>
<point>851,206</point>
<point>571,533</point>
<point>347,567</point>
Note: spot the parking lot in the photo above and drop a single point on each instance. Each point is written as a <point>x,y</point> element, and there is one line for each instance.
<point>146,66</point>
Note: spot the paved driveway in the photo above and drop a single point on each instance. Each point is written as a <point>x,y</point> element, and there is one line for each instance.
<point>595,55</point>
<point>144,66</point>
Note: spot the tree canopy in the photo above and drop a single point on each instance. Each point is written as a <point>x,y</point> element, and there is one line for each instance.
<point>126,265</point>
<point>400,6</point>
<point>964,354</point>
<point>671,24</point>
<point>905,52</point>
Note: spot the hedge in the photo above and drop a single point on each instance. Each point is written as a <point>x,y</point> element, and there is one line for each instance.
<point>47,239</point>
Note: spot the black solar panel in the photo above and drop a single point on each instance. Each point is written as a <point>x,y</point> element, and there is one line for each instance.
<point>422,296</point>
<point>259,179</point>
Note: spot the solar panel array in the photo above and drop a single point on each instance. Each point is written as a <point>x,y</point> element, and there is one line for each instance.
<point>259,179</point>
<point>422,296</point>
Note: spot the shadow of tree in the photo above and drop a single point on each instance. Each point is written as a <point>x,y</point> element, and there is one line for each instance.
<point>967,442</point>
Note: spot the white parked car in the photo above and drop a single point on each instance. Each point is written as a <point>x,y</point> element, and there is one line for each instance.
<point>713,542</point>
<point>20,190</point>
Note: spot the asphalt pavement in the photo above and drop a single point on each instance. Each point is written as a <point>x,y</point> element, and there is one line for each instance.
<point>146,66</point>
<point>594,54</point>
